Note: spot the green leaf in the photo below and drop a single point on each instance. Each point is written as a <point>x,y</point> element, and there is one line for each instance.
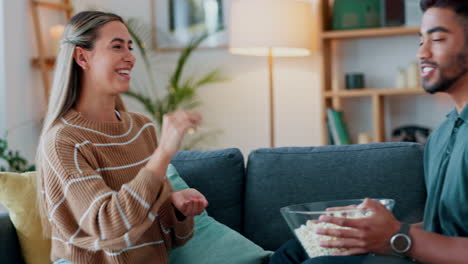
<point>14,160</point>
<point>184,56</point>
<point>212,77</point>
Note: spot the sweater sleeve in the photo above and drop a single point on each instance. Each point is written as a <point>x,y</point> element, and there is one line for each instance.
<point>183,231</point>
<point>177,231</point>
<point>86,212</point>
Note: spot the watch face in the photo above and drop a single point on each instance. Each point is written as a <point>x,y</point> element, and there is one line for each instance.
<point>401,243</point>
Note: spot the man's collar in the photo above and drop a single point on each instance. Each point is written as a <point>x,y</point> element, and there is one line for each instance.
<point>463,115</point>
<point>453,114</point>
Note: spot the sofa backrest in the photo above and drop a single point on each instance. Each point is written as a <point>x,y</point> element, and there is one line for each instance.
<point>220,176</point>
<point>284,176</point>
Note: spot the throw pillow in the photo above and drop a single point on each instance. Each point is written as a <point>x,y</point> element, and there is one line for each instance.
<point>18,195</point>
<point>213,242</point>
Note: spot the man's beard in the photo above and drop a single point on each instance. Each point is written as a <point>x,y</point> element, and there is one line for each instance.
<point>444,84</point>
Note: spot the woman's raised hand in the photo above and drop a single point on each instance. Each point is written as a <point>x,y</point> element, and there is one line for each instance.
<point>175,126</point>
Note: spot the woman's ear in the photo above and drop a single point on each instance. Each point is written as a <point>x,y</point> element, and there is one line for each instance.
<point>81,57</point>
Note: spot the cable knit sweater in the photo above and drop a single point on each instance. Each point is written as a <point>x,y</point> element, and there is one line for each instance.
<point>103,205</point>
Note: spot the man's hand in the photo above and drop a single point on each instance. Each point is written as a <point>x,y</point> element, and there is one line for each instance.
<point>368,234</point>
<point>189,202</point>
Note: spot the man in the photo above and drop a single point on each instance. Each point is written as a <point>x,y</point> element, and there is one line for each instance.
<point>443,236</point>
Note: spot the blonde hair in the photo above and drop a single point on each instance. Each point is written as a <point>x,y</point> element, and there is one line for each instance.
<point>81,31</point>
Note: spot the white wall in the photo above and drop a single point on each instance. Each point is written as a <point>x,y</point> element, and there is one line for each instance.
<point>379,59</point>
<point>2,76</point>
<point>2,69</point>
<point>22,98</point>
<point>239,107</point>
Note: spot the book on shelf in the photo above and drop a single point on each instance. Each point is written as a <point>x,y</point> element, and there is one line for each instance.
<point>330,136</point>
<point>339,132</point>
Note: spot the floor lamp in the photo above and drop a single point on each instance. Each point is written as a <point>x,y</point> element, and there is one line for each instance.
<point>271,28</point>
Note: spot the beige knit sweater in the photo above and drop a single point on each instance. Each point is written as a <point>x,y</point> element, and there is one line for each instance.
<point>103,205</point>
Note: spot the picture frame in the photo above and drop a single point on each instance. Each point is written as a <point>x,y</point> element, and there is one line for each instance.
<point>175,22</point>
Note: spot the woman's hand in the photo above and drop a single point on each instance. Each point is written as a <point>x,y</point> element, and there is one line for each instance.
<point>189,202</point>
<point>368,234</point>
<point>174,127</point>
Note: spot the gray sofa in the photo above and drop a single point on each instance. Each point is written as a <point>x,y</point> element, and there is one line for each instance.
<point>248,198</point>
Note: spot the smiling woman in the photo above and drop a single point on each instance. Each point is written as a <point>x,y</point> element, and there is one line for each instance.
<point>102,187</point>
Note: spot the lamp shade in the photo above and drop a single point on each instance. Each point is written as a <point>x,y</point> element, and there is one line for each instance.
<point>284,26</point>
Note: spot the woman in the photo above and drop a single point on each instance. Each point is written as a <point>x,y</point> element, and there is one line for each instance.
<point>104,197</point>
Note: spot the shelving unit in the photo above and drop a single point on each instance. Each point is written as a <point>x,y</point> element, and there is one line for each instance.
<point>44,63</point>
<point>333,93</point>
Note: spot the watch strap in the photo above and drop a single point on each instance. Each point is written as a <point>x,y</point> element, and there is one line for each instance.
<point>404,229</point>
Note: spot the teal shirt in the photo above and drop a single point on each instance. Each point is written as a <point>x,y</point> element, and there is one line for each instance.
<point>446,175</point>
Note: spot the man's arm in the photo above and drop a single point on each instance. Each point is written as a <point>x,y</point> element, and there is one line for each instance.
<point>434,248</point>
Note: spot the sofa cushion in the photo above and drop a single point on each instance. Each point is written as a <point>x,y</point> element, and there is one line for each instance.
<point>219,175</point>
<point>283,176</point>
<point>213,242</point>
<point>18,195</point>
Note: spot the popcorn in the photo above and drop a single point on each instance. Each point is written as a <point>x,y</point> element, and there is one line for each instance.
<point>311,241</point>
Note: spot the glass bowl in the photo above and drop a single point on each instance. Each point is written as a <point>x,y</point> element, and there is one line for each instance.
<point>302,220</point>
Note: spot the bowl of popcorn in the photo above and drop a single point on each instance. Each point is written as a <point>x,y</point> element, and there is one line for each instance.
<point>302,219</point>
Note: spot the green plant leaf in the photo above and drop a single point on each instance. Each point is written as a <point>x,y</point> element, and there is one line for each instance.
<point>212,77</point>
<point>184,56</point>
<point>14,160</point>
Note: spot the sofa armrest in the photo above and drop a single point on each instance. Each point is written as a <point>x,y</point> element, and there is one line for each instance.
<point>10,250</point>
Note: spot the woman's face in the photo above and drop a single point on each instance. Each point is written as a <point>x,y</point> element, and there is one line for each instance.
<point>109,64</point>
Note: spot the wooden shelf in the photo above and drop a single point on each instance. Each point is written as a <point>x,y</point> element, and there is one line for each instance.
<point>49,62</point>
<point>370,33</point>
<point>373,91</point>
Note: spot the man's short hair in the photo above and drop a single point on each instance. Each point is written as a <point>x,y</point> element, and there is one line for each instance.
<point>459,6</point>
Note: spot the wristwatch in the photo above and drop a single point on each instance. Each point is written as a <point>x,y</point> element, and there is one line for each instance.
<point>401,241</point>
